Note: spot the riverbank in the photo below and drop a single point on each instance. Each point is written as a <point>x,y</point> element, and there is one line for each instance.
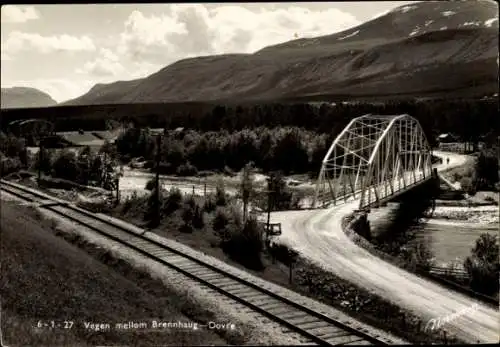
<point>488,214</point>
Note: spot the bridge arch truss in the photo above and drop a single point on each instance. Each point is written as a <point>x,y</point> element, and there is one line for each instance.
<point>374,158</point>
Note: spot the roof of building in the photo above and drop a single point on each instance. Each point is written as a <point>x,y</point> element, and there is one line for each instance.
<point>81,138</point>
<point>105,135</point>
<point>442,136</point>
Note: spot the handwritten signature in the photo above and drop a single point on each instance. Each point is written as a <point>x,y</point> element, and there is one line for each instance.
<point>437,323</point>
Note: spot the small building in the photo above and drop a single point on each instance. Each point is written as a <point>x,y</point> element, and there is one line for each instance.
<point>76,139</point>
<point>156,131</point>
<point>107,135</point>
<point>446,138</point>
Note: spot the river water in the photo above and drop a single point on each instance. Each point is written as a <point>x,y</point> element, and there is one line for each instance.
<point>449,240</point>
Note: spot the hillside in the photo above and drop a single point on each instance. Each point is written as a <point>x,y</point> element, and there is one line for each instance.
<point>426,49</point>
<point>22,97</point>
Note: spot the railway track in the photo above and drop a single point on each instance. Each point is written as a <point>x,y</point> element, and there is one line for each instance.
<point>315,326</point>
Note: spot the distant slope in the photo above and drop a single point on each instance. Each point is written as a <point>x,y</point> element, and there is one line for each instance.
<point>21,97</point>
<point>104,93</point>
<point>428,48</point>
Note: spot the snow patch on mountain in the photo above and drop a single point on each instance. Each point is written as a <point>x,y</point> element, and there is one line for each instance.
<point>490,22</point>
<point>428,22</point>
<point>405,9</point>
<point>350,35</point>
<point>443,28</point>
<point>414,32</point>
<point>466,24</point>
<point>448,13</point>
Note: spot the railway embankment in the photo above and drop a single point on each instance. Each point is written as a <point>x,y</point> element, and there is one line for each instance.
<point>54,293</point>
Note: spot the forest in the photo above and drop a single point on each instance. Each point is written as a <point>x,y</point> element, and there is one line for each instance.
<point>469,119</point>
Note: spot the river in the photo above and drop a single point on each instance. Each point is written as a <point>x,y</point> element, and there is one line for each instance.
<point>449,240</point>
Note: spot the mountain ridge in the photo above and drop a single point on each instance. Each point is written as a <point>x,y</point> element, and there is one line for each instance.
<point>421,49</point>
<point>25,97</point>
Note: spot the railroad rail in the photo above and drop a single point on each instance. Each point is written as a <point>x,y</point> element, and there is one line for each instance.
<point>314,326</point>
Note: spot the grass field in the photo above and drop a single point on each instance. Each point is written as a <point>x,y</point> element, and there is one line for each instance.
<point>44,278</point>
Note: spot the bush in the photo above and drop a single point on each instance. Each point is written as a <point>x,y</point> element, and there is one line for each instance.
<point>244,245</point>
<point>150,211</point>
<point>130,203</point>
<point>483,266</point>
<point>65,166</point>
<point>151,184</point>
<point>190,202</point>
<point>187,213</point>
<point>209,204</point>
<point>9,165</point>
<point>187,170</point>
<point>467,185</point>
<point>187,228</point>
<point>486,169</point>
<point>198,220</point>
<point>172,201</point>
<point>221,220</point>
<point>490,199</point>
<point>220,194</point>
<point>282,253</point>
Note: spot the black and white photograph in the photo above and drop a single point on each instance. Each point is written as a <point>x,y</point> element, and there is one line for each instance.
<point>255,173</point>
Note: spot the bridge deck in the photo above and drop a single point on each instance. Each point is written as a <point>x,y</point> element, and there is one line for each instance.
<point>413,179</point>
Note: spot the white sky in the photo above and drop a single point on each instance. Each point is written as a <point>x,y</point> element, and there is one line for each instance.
<point>65,49</point>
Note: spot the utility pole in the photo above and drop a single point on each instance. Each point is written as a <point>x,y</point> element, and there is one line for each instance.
<point>157,181</point>
<point>270,201</point>
<point>40,156</point>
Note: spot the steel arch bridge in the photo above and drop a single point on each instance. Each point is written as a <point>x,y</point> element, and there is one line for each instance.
<point>374,159</point>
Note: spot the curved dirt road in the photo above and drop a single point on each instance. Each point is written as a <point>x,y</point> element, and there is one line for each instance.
<point>318,235</point>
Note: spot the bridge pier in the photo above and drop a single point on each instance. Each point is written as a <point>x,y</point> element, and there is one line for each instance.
<point>361,224</point>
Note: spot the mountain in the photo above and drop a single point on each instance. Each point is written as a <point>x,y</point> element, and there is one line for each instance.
<point>22,97</point>
<point>424,49</point>
<point>103,93</point>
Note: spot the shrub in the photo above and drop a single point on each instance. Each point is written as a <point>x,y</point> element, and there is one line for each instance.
<point>490,199</point>
<point>220,194</point>
<point>151,184</point>
<point>282,253</point>
<point>467,185</point>
<point>209,205</point>
<point>483,266</point>
<point>150,211</point>
<point>9,165</point>
<point>190,202</point>
<point>187,227</point>
<point>129,202</point>
<point>497,186</point>
<point>65,166</point>
<point>187,170</point>
<point>198,220</point>
<point>221,219</point>
<point>244,245</point>
<point>187,213</point>
<point>172,201</point>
